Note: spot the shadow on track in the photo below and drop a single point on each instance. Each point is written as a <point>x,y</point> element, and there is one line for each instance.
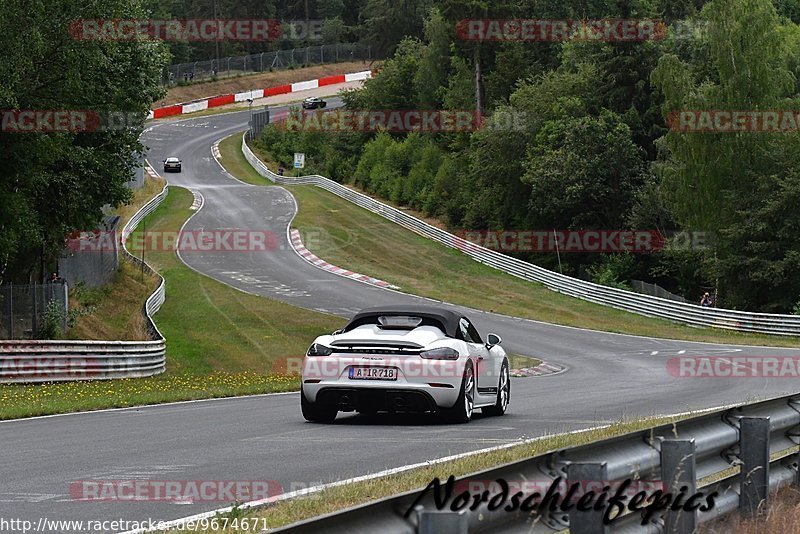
<point>401,419</point>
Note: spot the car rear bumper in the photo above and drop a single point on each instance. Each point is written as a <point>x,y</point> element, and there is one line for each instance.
<point>379,400</point>
<point>422,384</point>
<point>403,397</point>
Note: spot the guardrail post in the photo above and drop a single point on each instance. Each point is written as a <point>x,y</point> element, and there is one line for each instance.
<point>65,291</point>
<point>34,322</point>
<point>10,310</point>
<point>441,522</point>
<point>678,470</point>
<point>590,521</point>
<point>754,455</point>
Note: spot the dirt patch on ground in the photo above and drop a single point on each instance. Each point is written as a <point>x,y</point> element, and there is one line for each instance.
<point>258,81</point>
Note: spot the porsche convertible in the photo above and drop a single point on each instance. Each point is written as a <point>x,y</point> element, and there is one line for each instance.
<point>405,359</point>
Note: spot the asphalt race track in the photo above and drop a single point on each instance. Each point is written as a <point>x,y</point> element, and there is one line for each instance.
<point>266,438</point>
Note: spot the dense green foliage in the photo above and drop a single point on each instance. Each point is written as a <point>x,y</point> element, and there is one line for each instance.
<point>54,183</point>
<point>591,148</point>
<point>379,23</point>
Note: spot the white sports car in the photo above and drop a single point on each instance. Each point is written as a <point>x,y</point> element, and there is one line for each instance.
<point>405,359</point>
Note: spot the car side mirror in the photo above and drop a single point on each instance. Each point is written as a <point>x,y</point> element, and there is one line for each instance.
<point>336,333</point>
<point>492,340</point>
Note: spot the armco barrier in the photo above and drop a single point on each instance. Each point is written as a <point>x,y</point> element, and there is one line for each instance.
<point>650,306</point>
<point>740,453</point>
<point>51,361</point>
<point>222,100</point>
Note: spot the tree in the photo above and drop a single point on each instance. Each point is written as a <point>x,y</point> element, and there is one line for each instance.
<point>583,172</point>
<point>703,173</point>
<point>387,22</point>
<point>499,196</point>
<point>392,88</point>
<point>54,183</point>
<point>737,185</point>
<point>434,63</point>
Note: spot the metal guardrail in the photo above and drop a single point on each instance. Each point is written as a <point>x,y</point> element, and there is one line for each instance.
<point>741,453</point>
<point>154,302</point>
<point>647,305</point>
<point>51,361</point>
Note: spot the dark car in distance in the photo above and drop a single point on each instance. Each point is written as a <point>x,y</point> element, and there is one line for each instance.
<point>314,102</point>
<point>172,164</point>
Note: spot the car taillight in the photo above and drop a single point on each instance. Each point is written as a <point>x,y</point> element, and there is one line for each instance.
<point>442,353</point>
<point>319,350</point>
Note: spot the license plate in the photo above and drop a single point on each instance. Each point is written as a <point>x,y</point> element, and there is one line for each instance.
<point>372,373</point>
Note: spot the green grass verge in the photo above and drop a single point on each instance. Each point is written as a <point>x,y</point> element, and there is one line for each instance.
<point>354,238</point>
<point>114,311</point>
<point>517,361</point>
<point>213,327</point>
<point>29,400</point>
<point>220,342</point>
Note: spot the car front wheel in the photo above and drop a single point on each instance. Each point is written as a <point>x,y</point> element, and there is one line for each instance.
<point>503,393</point>
<point>315,413</point>
<point>462,411</point>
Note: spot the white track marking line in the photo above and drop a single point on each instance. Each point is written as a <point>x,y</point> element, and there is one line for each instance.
<point>147,406</point>
<point>166,525</point>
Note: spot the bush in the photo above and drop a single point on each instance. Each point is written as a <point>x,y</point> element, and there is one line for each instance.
<point>52,319</point>
<point>612,270</point>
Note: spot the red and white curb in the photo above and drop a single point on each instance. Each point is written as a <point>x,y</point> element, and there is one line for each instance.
<point>310,257</point>
<point>198,202</point>
<point>544,368</point>
<point>215,150</point>
<point>231,98</point>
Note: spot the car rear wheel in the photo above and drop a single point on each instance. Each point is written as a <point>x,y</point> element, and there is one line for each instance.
<point>462,411</point>
<point>503,393</point>
<point>314,412</point>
